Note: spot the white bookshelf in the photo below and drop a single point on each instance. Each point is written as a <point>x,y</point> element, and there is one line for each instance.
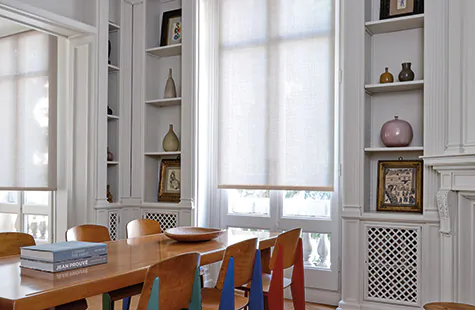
<point>394,149</point>
<point>395,24</point>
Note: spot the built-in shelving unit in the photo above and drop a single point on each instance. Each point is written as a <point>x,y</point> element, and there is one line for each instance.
<point>164,102</point>
<point>389,43</point>
<point>161,154</point>
<point>165,51</point>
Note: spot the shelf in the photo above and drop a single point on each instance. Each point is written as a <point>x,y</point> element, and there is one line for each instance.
<point>156,204</point>
<point>394,87</point>
<point>113,68</point>
<point>112,117</point>
<point>165,102</point>
<point>112,163</point>
<point>395,24</point>
<point>394,149</point>
<point>407,217</point>
<point>165,51</point>
<point>113,27</point>
<point>160,154</point>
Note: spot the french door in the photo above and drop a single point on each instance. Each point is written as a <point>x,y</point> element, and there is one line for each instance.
<point>28,212</point>
<point>315,212</point>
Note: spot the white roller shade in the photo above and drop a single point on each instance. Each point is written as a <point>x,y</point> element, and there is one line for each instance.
<point>276,94</point>
<point>28,111</point>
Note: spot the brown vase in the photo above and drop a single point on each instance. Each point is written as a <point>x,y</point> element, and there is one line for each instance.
<point>406,73</point>
<point>110,156</point>
<point>386,77</point>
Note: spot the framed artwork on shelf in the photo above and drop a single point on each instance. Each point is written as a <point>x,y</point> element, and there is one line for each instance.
<point>170,180</point>
<point>171,28</point>
<point>399,8</point>
<point>400,185</point>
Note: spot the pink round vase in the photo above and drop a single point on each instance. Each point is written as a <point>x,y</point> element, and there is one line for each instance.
<point>396,133</point>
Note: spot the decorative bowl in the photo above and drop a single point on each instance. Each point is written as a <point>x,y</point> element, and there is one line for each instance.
<point>193,234</point>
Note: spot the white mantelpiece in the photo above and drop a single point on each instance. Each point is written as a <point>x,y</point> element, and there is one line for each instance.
<point>456,205</point>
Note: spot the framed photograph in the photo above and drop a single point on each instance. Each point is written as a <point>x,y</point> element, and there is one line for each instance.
<point>400,185</point>
<point>170,180</point>
<point>171,28</point>
<point>399,8</point>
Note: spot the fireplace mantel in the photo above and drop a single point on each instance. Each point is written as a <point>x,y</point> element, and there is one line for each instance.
<point>457,172</point>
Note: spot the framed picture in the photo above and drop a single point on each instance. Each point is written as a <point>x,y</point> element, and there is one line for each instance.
<point>400,186</point>
<point>399,8</point>
<point>171,28</point>
<point>170,180</point>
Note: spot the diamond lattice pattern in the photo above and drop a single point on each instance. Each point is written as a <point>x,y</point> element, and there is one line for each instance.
<point>392,266</point>
<point>166,220</point>
<point>113,225</point>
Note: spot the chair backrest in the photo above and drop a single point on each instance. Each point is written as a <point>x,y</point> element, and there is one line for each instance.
<point>244,254</point>
<point>177,275</point>
<point>11,242</point>
<point>88,233</point>
<point>289,241</point>
<point>143,227</point>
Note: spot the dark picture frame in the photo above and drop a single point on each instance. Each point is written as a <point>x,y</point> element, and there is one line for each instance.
<point>169,187</point>
<point>400,8</point>
<point>400,185</point>
<point>170,29</point>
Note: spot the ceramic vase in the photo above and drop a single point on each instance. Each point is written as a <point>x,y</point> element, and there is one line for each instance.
<point>170,89</point>
<point>170,141</point>
<point>406,73</point>
<point>386,77</point>
<point>396,133</point>
<point>109,111</point>
<point>110,156</point>
<point>110,198</point>
<point>109,54</point>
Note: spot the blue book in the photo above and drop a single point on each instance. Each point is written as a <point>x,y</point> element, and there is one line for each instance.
<point>63,251</point>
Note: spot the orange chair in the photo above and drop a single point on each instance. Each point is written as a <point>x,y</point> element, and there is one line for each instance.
<point>244,254</point>
<point>176,280</point>
<point>143,227</point>
<point>10,244</point>
<point>98,233</point>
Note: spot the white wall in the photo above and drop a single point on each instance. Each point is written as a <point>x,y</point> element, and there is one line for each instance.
<point>80,10</point>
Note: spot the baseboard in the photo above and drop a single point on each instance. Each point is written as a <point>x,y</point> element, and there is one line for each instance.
<point>373,306</point>
<point>318,296</point>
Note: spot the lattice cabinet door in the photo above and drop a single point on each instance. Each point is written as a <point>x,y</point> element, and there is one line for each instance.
<point>114,224</point>
<point>393,264</point>
<point>167,219</point>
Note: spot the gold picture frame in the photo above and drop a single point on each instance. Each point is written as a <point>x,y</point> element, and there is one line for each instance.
<point>399,186</point>
<point>170,180</point>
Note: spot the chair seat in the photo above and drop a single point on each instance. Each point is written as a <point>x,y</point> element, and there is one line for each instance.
<point>448,306</point>
<point>126,292</point>
<point>212,296</point>
<point>266,278</point>
<point>75,305</point>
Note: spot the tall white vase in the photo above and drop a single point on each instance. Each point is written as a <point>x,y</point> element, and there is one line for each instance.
<point>170,88</point>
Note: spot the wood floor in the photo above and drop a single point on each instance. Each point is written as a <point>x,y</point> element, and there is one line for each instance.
<point>95,303</point>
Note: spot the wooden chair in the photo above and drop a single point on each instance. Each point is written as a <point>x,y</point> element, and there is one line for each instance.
<point>10,244</point>
<point>143,227</point>
<point>244,254</point>
<point>288,241</point>
<point>176,280</point>
<point>448,306</point>
<point>98,233</point>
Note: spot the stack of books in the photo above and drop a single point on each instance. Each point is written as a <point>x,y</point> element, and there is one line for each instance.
<point>63,256</point>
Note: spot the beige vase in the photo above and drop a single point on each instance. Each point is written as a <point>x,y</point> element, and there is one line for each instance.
<point>170,88</point>
<point>170,141</point>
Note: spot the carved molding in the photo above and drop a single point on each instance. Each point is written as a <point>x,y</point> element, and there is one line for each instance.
<point>446,202</point>
<point>443,205</point>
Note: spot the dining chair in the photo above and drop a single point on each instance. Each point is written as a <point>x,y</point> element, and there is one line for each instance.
<point>243,255</point>
<point>287,244</point>
<point>98,233</point>
<point>10,244</point>
<point>177,277</point>
<point>143,227</point>
<point>448,306</point>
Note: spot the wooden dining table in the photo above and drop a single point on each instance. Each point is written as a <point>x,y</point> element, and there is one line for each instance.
<point>128,260</point>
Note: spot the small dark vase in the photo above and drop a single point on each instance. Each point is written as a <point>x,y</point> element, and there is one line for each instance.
<point>110,48</point>
<point>110,156</point>
<point>406,73</point>
<point>109,111</point>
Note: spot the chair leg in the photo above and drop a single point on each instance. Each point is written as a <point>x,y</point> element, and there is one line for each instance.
<point>298,279</point>
<point>276,289</point>
<point>107,303</point>
<point>126,303</point>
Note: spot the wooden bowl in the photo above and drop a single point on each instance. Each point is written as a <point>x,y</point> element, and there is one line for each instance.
<point>192,234</point>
